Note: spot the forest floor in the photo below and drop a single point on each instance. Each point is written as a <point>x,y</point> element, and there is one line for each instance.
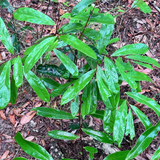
<point>132,26</point>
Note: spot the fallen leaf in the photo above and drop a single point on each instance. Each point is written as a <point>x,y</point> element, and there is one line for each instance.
<point>26,118</point>
<point>2,115</point>
<point>61,12</point>
<point>17,112</point>
<point>6,136</point>
<point>27,2</point>
<point>5,154</point>
<point>30,138</point>
<point>12,118</point>
<point>61,1</point>
<point>26,104</point>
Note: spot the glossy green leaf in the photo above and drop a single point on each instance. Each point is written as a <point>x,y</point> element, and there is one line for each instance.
<point>91,149</point>
<point>143,141</point>
<point>92,34</point>
<point>18,72</point>
<point>111,74</point>
<point>33,16</point>
<point>52,113</point>
<point>121,155</point>
<point>13,91</point>
<point>70,66</point>
<point>19,158</point>
<point>5,85</point>
<point>29,49</point>
<point>94,90</point>
<point>143,64</point>
<point>50,83</point>
<point>142,5</point>
<point>75,106</point>
<point>6,4</point>
<point>98,114</point>
<point>113,40</point>
<point>120,123</point>
<point>137,48</point>
<point>70,27</point>
<point>130,125</point>
<point>99,136</point>
<point>58,134</point>
<point>5,37</point>
<point>77,87</point>
<point>106,32</point>
<point>129,80</point>
<point>143,118</point>
<point>79,45</point>
<point>16,43</point>
<point>80,6</point>
<point>86,98</point>
<point>156,154</point>
<point>36,53</point>
<point>32,149</point>
<point>103,88</point>
<point>67,159</point>
<point>108,120</point>
<point>144,59</point>
<point>37,86</point>
<point>52,46</point>
<point>145,100</point>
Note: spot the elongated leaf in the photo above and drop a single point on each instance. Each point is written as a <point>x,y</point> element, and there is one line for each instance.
<point>13,91</point>
<point>52,113</point>
<point>121,155</point>
<point>130,126</point>
<point>99,136</point>
<point>75,106</point>
<point>32,149</point>
<point>70,66</point>
<point>156,154</point>
<point>58,134</point>
<point>90,149</point>
<point>5,85</point>
<point>143,64</point>
<point>52,46</point>
<point>113,40</point>
<point>129,80</point>
<point>106,32</point>
<point>18,72</point>
<point>80,6</point>
<point>6,4</point>
<point>5,37</point>
<point>33,16</point>
<point>16,43</point>
<point>98,114</point>
<point>143,118</point>
<point>92,34</point>
<point>79,45</point>
<point>29,49</point>
<point>86,98</point>
<point>37,86</point>
<point>137,48</point>
<point>145,100</point>
<point>120,123</point>
<point>143,141</point>
<point>77,87</point>
<point>19,158</point>
<point>36,53</point>
<point>70,27</point>
<point>144,59</point>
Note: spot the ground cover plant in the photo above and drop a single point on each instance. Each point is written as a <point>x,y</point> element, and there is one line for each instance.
<point>97,80</point>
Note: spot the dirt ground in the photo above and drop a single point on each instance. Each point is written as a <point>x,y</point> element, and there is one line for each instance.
<point>131,27</point>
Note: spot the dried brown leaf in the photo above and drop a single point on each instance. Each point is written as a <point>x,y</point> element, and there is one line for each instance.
<point>2,115</point>
<point>26,118</point>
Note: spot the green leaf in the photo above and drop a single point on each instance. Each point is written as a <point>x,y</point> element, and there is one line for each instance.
<point>6,4</point>
<point>106,32</point>
<point>80,6</point>
<point>143,141</point>
<point>70,66</point>
<point>142,5</point>
<point>5,85</point>
<point>86,98</point>
<point>121,155</point>
<point>143,118</point>
<point>5,37</point>
<point>36,53</point>
<point>77,87</point>
<point>18,72</point>
<point>52,113</point>
<point>70,27</point>
<point>37,86</point>
<point>52,46</point>
<point>145,100</point>
<point>137,48</point>
<point>75,106</point>
<point>16,43</point>
<point>29,49</point>
<point>144,59</point>
<point>91,149</point>
<point>111,74</point>
<point>143,64</point>
<point>33,16</point>
<point>58,134</point>
<point>79,45</point>
<point>156,154</point>
<point>99,136</point>
<point>50,83</point>
<point>98,114</point>
<point>129,80</point>
<point>113,40</point>
<point>120,123</point>
<point>104,91</point>
<point>92,34</point>
<point>13,91</point>
<point>19,158</point>
<point>32,149</point>
<point>130,125</point>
